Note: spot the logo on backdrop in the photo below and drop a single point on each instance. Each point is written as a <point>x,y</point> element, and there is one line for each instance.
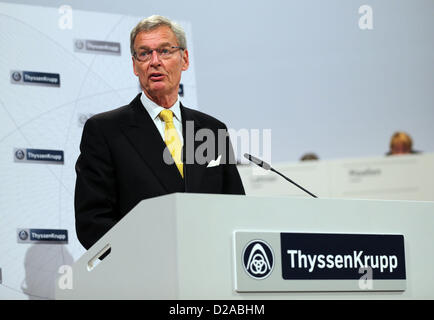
<point>20,154</point>
<point>258,259</point>
<point>38,156</point>
<point>96,46</point>
<point>52,236</point>
<point>23,235</point>
<point>35,78</point>
<point>16,76</point>
<point>83,117</point>
<point>181,90</point>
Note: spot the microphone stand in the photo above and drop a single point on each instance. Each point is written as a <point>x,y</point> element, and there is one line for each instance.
<point>266,166</point>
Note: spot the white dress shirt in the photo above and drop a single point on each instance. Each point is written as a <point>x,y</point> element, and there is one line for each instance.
<point>154,110</point>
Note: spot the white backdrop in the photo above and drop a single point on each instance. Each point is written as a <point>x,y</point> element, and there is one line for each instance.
<point>306,70</point>
<point>36,194</point>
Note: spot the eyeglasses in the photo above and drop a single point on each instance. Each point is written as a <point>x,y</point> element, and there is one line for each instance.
<point>144,55</point>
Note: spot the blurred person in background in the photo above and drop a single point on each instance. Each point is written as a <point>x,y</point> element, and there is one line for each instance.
<point>401,143</point>
<point>309,156</point>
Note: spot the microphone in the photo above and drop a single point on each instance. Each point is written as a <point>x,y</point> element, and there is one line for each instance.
<point>267,166</point>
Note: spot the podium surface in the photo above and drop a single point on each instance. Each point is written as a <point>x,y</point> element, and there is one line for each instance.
<point>182,246</point>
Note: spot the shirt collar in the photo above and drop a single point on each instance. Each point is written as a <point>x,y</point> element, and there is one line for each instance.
<point>154,109</point>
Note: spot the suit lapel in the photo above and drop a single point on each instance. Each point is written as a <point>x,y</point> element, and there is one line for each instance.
<point>144,136</point>
<point>193,172</point>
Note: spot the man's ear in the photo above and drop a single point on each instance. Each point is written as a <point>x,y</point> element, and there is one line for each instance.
<point>185,60</point>
<point>134,66</point>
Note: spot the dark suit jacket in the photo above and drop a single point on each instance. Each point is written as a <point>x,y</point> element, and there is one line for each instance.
<point>121,163</point>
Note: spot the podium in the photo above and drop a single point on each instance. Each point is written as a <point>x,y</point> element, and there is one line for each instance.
<point>183,246</point>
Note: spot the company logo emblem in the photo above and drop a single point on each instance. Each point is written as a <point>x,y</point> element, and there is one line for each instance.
<point>16,76</point>
<point>52,236</point>
<point>35,78</point>
<point>97,47</point>
<point>258,259</point>
<point>83,117</point>
<point>23,235</point>
<point>79,44</point>
<point>39,156</point>
<point>19,154</point>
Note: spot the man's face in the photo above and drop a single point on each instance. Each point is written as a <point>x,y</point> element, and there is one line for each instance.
<point>159,77</point>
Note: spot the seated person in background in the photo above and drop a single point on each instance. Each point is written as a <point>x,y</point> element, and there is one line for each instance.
<point>309,156</point>
<point>401,143</point>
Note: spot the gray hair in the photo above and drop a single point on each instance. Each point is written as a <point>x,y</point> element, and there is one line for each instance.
<point>153,22</point>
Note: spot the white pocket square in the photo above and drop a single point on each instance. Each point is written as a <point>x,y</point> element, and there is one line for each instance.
<point>214,163</point>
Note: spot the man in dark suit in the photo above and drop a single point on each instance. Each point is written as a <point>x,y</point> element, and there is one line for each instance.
<point>149,147</point>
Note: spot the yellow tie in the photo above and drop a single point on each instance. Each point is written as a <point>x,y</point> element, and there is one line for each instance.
<point>171,139</point>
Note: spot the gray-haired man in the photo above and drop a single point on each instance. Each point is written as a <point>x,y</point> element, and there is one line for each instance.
<point>124,152</point>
